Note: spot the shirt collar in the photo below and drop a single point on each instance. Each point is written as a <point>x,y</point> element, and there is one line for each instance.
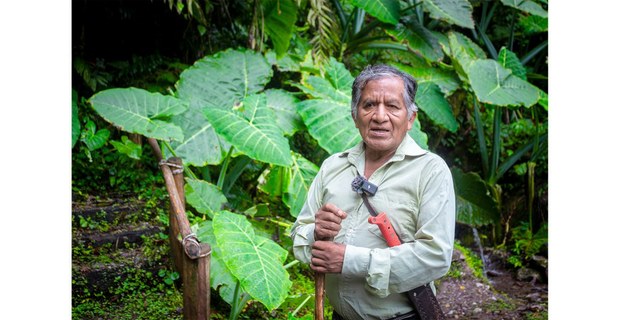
<point>407,147</point>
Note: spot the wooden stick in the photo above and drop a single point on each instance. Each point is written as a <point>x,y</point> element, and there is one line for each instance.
<point>319,289</point>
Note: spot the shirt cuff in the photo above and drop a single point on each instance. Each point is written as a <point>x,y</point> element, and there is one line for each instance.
<point>371,264</point>
<point>356,261</point>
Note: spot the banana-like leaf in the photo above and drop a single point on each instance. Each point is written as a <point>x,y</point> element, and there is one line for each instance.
<point>418,39</point>
<point>280,17</point>
<point>457,12</point>
<point>255,133</point>
<point>432,102</point>
<point>203,196</point>
<point>528,6</point>
<point>474,204</point>
<point>202,145</point>
<point>75,120</point>
<point>284,106</point>
<point>387,11</point>
<point>220,277</point>
<point>139,111</point>
<point>447,80</point>
<point>509,60</point>
<point>224,79</point>
<point>418,135</point>
<point>255,261</point>
<point>496,85</point>
<point>463,52</point>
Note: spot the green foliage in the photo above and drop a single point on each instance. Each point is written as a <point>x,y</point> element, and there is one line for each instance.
<point>472,261</point>
<point>526,243</point>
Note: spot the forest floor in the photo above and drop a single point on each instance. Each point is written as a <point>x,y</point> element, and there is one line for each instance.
<point>111,239</point>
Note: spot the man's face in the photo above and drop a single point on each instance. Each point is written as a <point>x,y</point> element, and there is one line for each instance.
<point>382,116</point>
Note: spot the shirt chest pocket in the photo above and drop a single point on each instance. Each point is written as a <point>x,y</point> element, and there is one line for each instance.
<point>402,213</point>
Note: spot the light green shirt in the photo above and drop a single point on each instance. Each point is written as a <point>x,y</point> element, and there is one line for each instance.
<point>417,194</point>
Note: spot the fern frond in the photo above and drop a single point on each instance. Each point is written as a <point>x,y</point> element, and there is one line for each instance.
<point>326,41</point>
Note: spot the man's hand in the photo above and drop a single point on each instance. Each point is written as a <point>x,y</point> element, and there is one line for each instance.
<point>327,256</point>
<point>327,222</point>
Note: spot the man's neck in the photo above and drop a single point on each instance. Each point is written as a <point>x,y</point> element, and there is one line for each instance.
<point>375,160</point>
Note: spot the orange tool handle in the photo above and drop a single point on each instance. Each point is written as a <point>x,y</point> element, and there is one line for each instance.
<point>384,224</point>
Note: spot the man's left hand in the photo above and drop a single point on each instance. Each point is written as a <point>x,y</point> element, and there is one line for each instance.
<point>327,256</point>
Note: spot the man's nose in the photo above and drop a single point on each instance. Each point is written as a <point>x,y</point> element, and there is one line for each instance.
<point>380,114</point>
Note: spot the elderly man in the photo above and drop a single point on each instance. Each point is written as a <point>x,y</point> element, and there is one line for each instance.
<point>365,277</point>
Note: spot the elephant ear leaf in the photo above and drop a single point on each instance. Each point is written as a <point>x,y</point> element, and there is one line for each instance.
<point>387,11</point>
<point>474,204</point>
<point>496,85</point>
<point>224,79</point>
<point>220,277</point>
<point>254,260</point>
<point>328,113</point>
<point>205,197</point>
<point>432,101</point>
<point>458,12</point>
<point>139,111</point>
<point>252,130</point>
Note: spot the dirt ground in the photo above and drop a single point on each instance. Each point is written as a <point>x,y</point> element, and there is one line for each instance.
<point>503,296</point>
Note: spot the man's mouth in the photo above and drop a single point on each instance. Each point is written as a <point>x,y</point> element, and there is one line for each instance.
<point>379,131</point>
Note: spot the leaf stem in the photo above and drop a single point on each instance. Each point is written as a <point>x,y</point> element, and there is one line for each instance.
<point>220,179</point>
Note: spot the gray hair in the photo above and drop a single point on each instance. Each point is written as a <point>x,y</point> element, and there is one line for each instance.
<point>384,71</point>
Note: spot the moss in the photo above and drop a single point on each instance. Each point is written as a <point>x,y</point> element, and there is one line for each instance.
<point>472,261</point>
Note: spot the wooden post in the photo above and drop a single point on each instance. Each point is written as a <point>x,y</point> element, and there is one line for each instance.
<point>176,248</point>
<point>191,258</point>
<point>319,287</point>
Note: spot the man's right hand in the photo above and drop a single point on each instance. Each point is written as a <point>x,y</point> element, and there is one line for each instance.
<point>327,222</point>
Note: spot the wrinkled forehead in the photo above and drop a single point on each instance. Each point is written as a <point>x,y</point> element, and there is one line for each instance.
<point>385,86</point>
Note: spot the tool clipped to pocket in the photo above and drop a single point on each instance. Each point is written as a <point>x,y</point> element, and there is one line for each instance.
<point>365,188</point>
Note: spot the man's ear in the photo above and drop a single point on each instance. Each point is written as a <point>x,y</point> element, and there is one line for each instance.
<point>411,120</point>
<point>354,120</point>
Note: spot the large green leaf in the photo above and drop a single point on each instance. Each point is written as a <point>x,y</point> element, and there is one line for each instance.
<point>330,123</point>
<point>302,172</point>
<point>201,145</point>
<point>255,261</point>
<point>509,60</point>
<point>75,120</point>
<point>528,6</point>
<point>534,24</point>
<point>203,196</point>
<point>493,84</point>
<point>432,102</point>
<point>474,204</point>
<point>139,111</point>
<point>447,80</point>
<point>339,77</point>
<point>224,79</point>
<point>418,39</point>
<point>253,132</point>
<point>292,183</point>
<point>463,52</point>
<point>280,17</point>
<point>457,12</point>
<point>220,277</point>
<point>328,115</point>
<point>385,10</point>
<point>284,106</point>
